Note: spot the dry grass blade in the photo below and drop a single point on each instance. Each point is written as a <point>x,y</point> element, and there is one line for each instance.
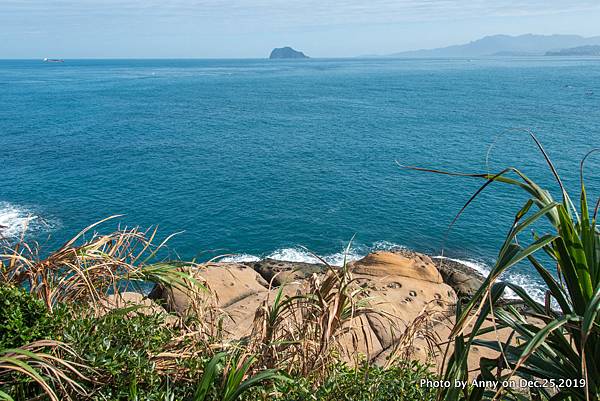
<point>86,270</point>
<point>301,333</point>
<point>424,327</point>
<point>39,362</point>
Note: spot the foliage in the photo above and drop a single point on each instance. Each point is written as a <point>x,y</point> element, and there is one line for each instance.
<point>120,349</point>
<point>130,356</point>
<point>118,352</point>
<point>23,318</point>
<point>27,369</point>
<point>67,294</point>
<point>554,343</point>
<point>400,382</point>
<point>236,378</point>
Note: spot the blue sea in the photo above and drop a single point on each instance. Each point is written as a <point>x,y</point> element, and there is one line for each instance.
<point>266,158</point>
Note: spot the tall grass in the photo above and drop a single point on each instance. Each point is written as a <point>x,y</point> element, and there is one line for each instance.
<point>556,343</point>
<point>302,333</point>
<point>89,269</point>
<point>82,273</point>
<point>235,370</point>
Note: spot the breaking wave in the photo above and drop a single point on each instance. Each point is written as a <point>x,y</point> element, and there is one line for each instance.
<point>535,288</point>
<point>17,221</point>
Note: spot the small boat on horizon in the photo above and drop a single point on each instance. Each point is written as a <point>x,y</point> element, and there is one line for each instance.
<point>53,60</point>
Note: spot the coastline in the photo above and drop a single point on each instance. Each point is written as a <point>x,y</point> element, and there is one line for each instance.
<point>461,276</point>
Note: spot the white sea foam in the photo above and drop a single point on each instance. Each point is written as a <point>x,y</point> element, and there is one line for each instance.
<point>478,266</point>
<point>534,288</point>
<point>297,255</point>
<point>16,221</point>
<point>243,257</point>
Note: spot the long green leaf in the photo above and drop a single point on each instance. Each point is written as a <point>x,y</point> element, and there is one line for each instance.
<point>208,377</point>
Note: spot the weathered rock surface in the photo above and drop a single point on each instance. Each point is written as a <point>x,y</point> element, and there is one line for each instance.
<point>400,285</point>
<point>392,264</point>
<point>463,279</point>
<point>360,340</point>
<point>278,272</point>
<point>230,282</point>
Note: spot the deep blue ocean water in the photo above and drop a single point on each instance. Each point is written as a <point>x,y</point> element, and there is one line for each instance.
<point>260,157</point>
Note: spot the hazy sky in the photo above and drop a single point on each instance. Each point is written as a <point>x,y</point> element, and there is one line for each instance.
<point>251,28</point>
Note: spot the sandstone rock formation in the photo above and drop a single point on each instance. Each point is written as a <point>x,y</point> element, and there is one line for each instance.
<point>228,282</point>
<point>410,302</point>
<point>279,272</point>
<point>392,264</point>
<point>399,288</point>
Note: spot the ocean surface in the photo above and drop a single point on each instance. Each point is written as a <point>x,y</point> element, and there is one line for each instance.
<point>263,158</point>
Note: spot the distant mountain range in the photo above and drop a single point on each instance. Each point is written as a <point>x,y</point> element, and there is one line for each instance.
<point>505,45</point>
<point>589,50</point>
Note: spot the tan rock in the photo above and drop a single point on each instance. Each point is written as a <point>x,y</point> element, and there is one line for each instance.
<point>127,299</point>
<point>384,264</point>
<point>238,317</point>
<point>228,282</point>
<point>399,287</point>
<point>398,300</point>
<point>359,341</point>
<point>232,282</point>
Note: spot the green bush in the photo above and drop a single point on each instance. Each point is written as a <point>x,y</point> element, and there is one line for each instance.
<point>367,383</point>
<point>23,318</point>
<point>119,352</point>
<point>119,347</point>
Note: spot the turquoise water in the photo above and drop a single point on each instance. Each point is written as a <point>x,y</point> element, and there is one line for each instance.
<point>260,157</point>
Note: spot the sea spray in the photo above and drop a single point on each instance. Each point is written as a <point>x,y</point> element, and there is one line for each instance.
<point>17,220</point>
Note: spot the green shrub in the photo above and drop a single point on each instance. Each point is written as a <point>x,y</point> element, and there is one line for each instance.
<point>235,370</point>
<point>23,318</point>
<point>367,383</point>
<point>119,347</point>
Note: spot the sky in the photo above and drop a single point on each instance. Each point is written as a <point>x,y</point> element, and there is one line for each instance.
<point>251,28</point>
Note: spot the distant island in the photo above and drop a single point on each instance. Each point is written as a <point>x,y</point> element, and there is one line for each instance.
<point>591,50</point>
<point>286,53</point>
<point>507,46</point>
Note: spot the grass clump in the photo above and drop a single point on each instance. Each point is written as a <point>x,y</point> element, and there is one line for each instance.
<point>400,382</point>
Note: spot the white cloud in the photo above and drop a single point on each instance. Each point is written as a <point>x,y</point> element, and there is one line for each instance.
<point>292,13</point>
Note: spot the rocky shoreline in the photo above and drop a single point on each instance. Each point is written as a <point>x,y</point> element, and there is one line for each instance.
<point>463,279</point>
<point>410,295</point>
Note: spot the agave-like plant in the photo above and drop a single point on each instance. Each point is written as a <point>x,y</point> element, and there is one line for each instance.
<point>555,345</point>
